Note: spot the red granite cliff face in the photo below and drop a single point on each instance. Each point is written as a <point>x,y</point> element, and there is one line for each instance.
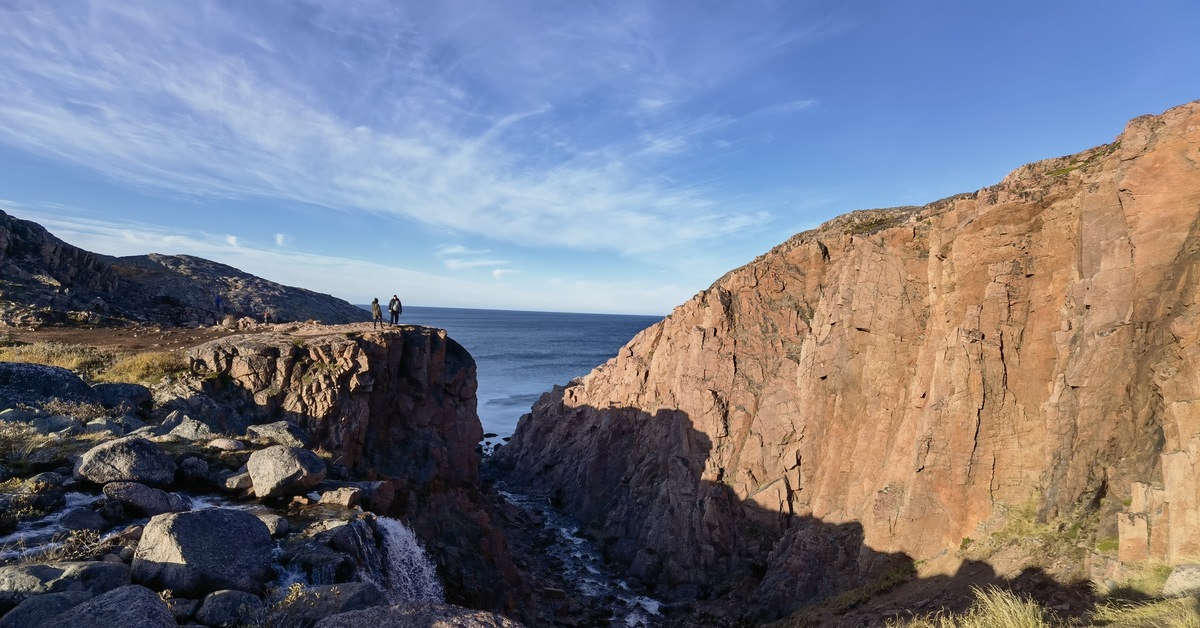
<point>887,384</point>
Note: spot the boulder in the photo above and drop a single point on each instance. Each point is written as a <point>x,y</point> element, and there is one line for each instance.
<point>231,608</point>
<point>36,384</point>
<point>56,423</point>
<point>19,582</point>
<point>142,500</point>
<point>346,496</point>
<point>191,429</point>
<point>226,444</point>
<point>276,525</point>
<point>1183,581</point>
<point>19,415</point>
<point>129,459</point>
<point>318,602</point>
<point>410,616</point>
<point>84,519</point>
<point>130,605</point>
<point>193,469</point>
<point>124,398</point>
<point>198,552</point>
<point>40,609</point>
<point>111,427</point>
<point>130,422</point>
<point>238,482</point>
<point>279,433</point>
<point>280,470</point>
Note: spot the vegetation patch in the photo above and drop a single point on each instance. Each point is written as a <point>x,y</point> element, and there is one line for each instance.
<point>847,600</point>
<point>95,364</point>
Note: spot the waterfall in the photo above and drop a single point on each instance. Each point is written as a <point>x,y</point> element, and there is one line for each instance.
<point>398,565</point>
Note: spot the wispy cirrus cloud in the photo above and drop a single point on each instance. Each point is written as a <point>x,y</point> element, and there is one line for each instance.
<point>465,124</point>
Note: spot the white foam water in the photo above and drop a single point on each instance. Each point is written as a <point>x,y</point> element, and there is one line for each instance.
<point>397,564</point>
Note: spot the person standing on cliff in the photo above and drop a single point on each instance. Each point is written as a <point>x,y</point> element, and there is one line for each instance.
<point>376,314</point>
<point>394,308</point>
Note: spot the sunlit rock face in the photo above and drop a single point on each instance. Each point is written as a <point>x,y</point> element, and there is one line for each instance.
<point>878,388</point>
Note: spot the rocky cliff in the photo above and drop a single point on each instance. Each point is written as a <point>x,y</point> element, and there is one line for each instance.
<point>396,406</point>
<point>44,280</point>
<point>887,385</point>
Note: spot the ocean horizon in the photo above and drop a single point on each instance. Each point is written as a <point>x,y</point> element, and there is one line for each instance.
<point>519,355</point>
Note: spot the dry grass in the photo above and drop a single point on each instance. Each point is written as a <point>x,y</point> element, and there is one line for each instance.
<point>993,608</point>
<point>96,364</point>
<point>144,368</point>
<point>75,545</point>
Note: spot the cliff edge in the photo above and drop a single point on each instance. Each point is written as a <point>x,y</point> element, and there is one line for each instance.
<point>890,385</point>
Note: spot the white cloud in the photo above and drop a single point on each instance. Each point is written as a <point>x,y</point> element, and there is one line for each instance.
<point>280,239</point>
<point>462,124</point>
<point>499,273</point>
<point>231,240</point>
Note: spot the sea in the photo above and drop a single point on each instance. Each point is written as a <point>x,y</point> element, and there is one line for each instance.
<point>520,355</point>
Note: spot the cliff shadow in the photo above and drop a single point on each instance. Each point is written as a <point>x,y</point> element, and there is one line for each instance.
<point>638,486</point>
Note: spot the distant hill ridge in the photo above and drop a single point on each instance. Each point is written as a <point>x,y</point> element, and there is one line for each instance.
<point>44,280</point>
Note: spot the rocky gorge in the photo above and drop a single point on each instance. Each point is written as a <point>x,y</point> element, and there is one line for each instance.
<point>894,392</point>
<point>860,426</point>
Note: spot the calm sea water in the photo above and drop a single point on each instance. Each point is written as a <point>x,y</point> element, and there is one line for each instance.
<point>521,355</point>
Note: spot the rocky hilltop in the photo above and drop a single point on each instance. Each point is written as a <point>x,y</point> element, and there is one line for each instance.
<point>897,383</point>
<point>44,280</point>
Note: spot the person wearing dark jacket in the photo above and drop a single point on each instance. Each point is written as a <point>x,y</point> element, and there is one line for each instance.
<point>376,314</point>
<point>394,308</point>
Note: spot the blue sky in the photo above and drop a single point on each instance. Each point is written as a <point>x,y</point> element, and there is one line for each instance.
<point>614,156</point>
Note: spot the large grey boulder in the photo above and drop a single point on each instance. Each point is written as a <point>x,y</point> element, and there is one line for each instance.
<point>129,459</point>
<point>418,616</point>
<point>40,609</point>
<point>231,608</point>
<point>35,384</point>
<point>279,433</point>
<point>132,606</point>
<point>84,519</point>
<point>18,582</point>
<point>191,429</point>
<point>198,552</point>
<point>142,500</point>
<point>279,470</point>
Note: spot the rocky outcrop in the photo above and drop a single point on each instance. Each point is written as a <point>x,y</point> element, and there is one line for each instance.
<point>279,470</point>
<point>407,616</point>
<point>395,406</point>
<point>131,605</point>
<point>48,281</point>
<point>886,385</point>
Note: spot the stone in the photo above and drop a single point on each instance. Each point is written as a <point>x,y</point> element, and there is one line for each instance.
<point>377,496</point>
<point>127,399</point>
<point>183,609</point>
<point>321,601</point>
<point>130,422</point>
<point>231,608</point>
<point>191,429</point>
<point>130,459</point>
<point>238,482</point>
<point>346,496</point>
<point>145,501</point>
<point>110,427</point>
<point>19,415</point>
<point>19,582</point>
<point>407,616</point>
<point>279,433</point>
<point>276,524</point>
<point>193,469</point>
<point>198,552</point>
<point>1184,581</point>
<point>40,609</point>
<point>84,519</point>
<point>280,470</point>
<point>56,423</point>
<point>130,605</point>
<point>226,444</point>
